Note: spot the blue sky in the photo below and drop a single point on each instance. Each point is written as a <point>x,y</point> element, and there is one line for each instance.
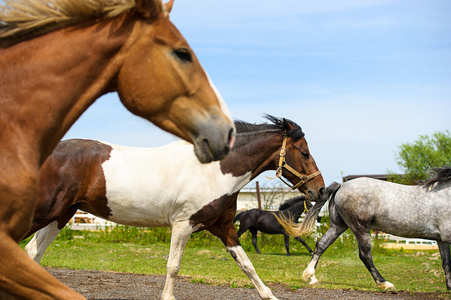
<point>360,77</point>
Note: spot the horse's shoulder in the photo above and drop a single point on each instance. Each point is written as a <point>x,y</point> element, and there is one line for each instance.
<point>80,149</point>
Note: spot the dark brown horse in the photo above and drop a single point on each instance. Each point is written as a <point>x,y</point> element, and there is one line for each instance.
<point>167,186</point>
<point>56,58</point>
<point>256,220</point>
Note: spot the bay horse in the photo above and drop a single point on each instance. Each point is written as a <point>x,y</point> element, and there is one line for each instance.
<point>256,220</point>
<point>362,204</point>
<point>167,187</point>
<point>56,58</point>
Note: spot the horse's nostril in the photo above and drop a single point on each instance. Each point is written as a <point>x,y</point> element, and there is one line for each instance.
<point>231,138</point>
<point>322,192</point>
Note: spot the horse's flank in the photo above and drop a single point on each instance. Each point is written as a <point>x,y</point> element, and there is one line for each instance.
<point>26,19</point>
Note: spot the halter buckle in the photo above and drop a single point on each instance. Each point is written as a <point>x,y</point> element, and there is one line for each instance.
<point>283,152</point>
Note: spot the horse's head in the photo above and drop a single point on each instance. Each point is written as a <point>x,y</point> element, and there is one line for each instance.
<point>161,80</point>
<point>296,164</point>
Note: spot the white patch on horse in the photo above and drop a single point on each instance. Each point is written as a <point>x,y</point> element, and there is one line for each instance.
<point>154,187</point>
<point>246,266</point>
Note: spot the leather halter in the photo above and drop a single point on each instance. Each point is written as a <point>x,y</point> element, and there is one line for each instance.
<point>283,164</point>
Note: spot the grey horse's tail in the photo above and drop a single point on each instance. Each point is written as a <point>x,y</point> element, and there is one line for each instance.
<point>237,217</point>
<point>306,227</point>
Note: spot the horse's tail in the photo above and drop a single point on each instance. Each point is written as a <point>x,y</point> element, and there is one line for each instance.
<point>306,227</point>
<point>237,217</point>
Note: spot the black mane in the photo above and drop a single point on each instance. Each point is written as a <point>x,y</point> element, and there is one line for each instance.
<point>290,202</point>
<point>280,124</point>
<point>438,175</point>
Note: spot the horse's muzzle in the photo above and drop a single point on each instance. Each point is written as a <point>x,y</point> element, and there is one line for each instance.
<point>213,145</point>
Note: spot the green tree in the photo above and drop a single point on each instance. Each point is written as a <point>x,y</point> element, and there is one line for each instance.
<point>418,158</point>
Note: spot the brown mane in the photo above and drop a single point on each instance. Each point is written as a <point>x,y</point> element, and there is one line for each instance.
<point>25,19</point>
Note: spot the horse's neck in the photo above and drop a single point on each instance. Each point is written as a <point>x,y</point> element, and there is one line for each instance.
<point>255,155</point>
<point>62,73</point>
<point>296,210</point>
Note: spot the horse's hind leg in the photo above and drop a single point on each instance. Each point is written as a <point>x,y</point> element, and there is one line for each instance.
<point>305,244</point>
<point>41,240</point>
<point>254,233</point>
<point>181,232</point>
<point>363,239</point>
<point>446,262</point>
<point>337,227</point>
<point>286,239</point>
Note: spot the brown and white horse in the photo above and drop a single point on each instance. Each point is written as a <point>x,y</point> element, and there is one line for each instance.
<point>167,186</point>
<point>56,58</point>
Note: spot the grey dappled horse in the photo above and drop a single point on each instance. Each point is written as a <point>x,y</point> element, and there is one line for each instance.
<point>422,211</point>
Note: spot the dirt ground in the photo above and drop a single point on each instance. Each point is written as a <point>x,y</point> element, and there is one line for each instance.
<point>110,285</point>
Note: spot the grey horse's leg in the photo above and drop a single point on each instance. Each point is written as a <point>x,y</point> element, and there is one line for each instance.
<point>305,244</point>
<point>446,262</point>
<point>335,230</point>
<point>363,238</point>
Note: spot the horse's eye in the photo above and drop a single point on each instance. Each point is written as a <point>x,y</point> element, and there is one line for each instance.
<point>183,54</point>
<point>305,154</point>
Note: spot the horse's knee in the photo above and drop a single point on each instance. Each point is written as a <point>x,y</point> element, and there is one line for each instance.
<point>173,270</point>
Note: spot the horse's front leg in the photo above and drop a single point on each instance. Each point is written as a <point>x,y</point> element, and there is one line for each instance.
<point>41,240</point>
<point>446,261</point>
<point>181,232</point>
<point>227,233</point>
<point>20,276</point>
<point>246,266</point>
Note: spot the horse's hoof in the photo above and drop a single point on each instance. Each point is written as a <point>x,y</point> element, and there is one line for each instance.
<point>314,282</point>
<point>386,285</point>
<point>311,279</point>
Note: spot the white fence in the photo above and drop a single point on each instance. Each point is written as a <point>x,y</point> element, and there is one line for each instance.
<point>86,221</point>
<point>411,241</point>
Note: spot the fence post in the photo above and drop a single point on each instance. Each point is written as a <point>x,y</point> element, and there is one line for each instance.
<point>258,195</point>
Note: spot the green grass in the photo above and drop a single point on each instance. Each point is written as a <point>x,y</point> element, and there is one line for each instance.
<point>205,260</point>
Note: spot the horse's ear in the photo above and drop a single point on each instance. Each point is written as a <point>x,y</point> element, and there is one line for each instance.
<point>149,9</point>
<point>287,124</point>
<point>169,5</point>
